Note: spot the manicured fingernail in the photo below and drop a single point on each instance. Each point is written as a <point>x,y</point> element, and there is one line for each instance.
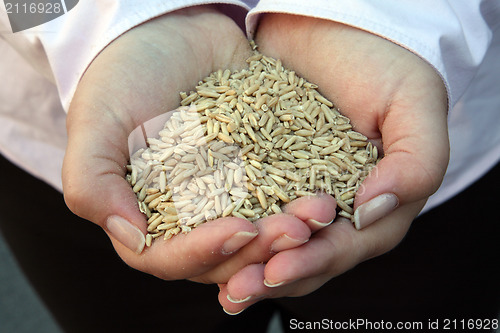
<point>233,313</point>
<point>317,224</point>
<point>237,241</point>
<point>374,209</point>
<point>273,285</point>
<point>126,233</point>
<point>237,301</point>
<point>286,242</point>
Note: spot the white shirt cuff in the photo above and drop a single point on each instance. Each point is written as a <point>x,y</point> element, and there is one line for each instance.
<point>73,40</point>
<point>452,36</point>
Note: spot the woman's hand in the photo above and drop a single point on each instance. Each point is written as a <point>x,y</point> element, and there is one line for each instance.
<point>134,79</point>
<point>399,102</point>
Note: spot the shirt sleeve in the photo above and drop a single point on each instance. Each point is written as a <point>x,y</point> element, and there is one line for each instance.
<point>69,43</point>
<point>452,36</point>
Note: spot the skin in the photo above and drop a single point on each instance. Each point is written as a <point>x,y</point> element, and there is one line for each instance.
<point>135,78</point>
<point>391,95</point>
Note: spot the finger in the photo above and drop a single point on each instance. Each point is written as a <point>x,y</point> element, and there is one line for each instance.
<point>276,233</point>
<point>331,252</point>
<point>247,288</point>
<point>194,253</point>
<point>389,94</point>
<point>316,211</point>
<point>100,193</point>
<point>229,296</point>
<point>416,152</point>
<point>336,249</point>
<point>340,247</point>
<point>95,188</point>
<point>413,127</point>
<point>136,78</point>
<point>98,127</point>
<point>94,181</point>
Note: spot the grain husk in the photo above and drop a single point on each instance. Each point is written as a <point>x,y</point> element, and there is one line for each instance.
<point>243,144</point>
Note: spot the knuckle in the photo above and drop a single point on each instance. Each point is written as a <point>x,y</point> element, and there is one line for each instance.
<point>420,179</point>
<point>73,200</point>
<point>76,200</point>
<point>430,180</point>
<point>345,248</point>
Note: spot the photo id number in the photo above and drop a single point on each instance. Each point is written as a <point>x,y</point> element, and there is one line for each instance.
<point>34,7</point>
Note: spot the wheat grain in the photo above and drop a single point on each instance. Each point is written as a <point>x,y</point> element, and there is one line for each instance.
<point>242,144</point>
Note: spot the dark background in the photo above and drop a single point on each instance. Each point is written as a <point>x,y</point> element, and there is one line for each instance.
<point>448,266</point>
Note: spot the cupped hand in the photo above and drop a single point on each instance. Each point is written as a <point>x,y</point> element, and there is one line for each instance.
<point>135,78</point>
<point>399,102</point>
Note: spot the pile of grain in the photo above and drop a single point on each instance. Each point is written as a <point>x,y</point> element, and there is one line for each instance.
<point>243,144</point>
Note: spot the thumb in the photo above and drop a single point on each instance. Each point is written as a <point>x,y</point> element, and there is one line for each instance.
<point>416,150</point>
<point>94,182</point>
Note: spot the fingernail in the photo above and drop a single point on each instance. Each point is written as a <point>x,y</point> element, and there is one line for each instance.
<point>237,241</point>
<point>237,301</point>
<point>286,242</point>
<point>317,224</point>
<point>273,285</point>
<point>233,313</point>
<point>126,233</point>
<point>375,209</point>
<point>246,299</point>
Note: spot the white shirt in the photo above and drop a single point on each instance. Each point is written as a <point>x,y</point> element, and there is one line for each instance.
<point>41,68</point>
